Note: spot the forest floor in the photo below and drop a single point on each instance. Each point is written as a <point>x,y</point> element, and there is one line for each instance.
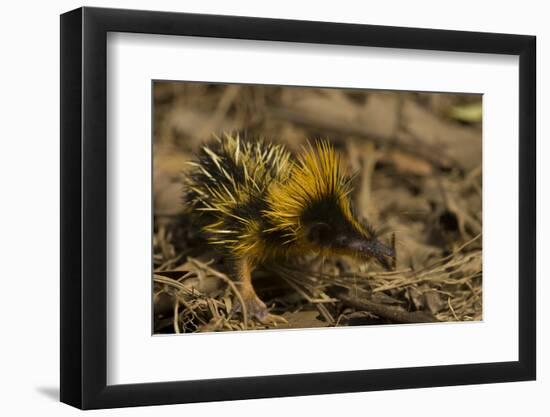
<point>418,160</point>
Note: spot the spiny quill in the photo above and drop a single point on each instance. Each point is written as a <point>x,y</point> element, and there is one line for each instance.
<point>256,203</point>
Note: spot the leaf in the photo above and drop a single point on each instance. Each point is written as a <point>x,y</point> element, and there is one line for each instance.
<point>467,112</point>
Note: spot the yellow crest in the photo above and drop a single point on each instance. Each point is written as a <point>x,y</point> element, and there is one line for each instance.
<point>317,175</point>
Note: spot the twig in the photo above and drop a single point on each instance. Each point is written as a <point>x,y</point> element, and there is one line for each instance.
<point>451,308</point>
<point>392,313</point>
<point>176,316</point>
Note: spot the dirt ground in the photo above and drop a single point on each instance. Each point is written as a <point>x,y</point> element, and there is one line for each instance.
<point>418,159</point>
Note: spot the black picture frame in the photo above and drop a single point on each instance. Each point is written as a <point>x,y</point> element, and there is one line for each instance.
<point>84,222</point>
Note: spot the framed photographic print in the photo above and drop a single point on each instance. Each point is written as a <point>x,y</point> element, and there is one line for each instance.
<point>258,208</point>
